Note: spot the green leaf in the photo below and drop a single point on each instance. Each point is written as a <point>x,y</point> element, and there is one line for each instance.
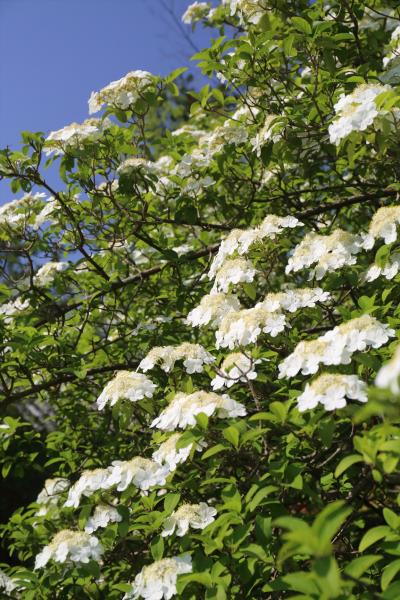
<point>389,572</point>
<point>346,463</point>
<point>361,564</point>
<point>231,434</point>
<point>302,25</point>
<point>157,547</point>
<point>372,536</point>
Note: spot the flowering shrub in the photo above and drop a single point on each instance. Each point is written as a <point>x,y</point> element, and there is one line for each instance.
<point>239,238</point>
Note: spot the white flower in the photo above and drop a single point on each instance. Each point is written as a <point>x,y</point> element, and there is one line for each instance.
<point>356,111</point>
<point>73,135</point>
<point>126,385</point>
<point>390,270</point>
<point>248,10</point>
<point>89,482</point>
<point>158,580</point>
<point>236,367</point>
<point>102,516</point>
<point>383,225</point>
<point>7,584</point>
<point>19,210</point>
<point>194,356</point>
<point>234,271</point>
<point>388,375</point>
<point>212,309</point>
<point>46,273</point>
<point>328,252</point>
<point>168,453</point>
<point>331,391</point>
<point>197,516</point>
<point>336,346</point>
<point>121,93</point>
<point>294,299</point>
<point>183,409</point>
<point>195,12</point>
<point>271,131</point>
<point>46,213</point>
<point>76,546</point>
<point>241,240</point>
<point>50,494</point>
<point>243,327</point>
<point>10,309</point>
<point>142,472</point>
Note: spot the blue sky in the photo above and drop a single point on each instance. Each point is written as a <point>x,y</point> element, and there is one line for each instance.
<point>55,52</point>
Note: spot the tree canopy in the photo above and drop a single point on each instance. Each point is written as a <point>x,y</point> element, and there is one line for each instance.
<point>199,322</point>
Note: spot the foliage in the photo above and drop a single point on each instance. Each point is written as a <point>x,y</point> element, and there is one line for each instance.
<point>293,477</point>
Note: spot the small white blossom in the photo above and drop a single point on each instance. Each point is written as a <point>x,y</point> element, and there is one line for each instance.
<point>388,375</point>
<point>250,11</point>
<point>19,211</point>
<point>45,275</point>
<point>197,516</point>
<point>234,271</point>
<point>271,131</point>
<point>327,252</point>
<point>383,225</point>
<point>12,308</point>
<point>356,111</point>
<point>7,584</point>
<point>168,453</point>
<point>50,494</point>
<point>236,367</point>
<point>102,516</point>
<point>143,473</point>
<point>331,391</point>
<point>389,270</point>
<point>183,409</point>
<point>336,346</point>
<point>73,135</point>
<point>46,213</point>
<point>126,385</point>
<point>195,12</point>
<point>243,327</point>
<point>294,299</point>
<point>194,356</point>
<point>212,309</point>
<point>121,93</point>
<point>158,580</point>
<point>89,482</point>
<point>75,546</point>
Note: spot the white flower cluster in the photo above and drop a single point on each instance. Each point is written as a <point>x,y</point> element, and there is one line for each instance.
<point>195,12</point>
<point>46,213</point>
<point>328,252</point>
<point>212,309</point>
<point>243,327</point>
<point>19,210</point>
<point>388,375</point>
<point>197,516</point>
<point>45,275</point>
<point>158,580</point>
<point>355,111</point>
<point>7,584</point>
<point>236,367</point>
<point>142,472</point>
<point>50,494</point>
<point>389,270</point>
<point>194,356</point>
<point>383,225</point>
<point>294,299</point>
<point>76,546</point>
<point>271,131</point>
<point>126,385</point>
<point>12,308</point>
<point>250,11</point>
<point>168,453</point>
<point>102,516</point>
<point>121,93</point>
<point>73,135</point>
<point>336,346</point>
<point>331,390</point>
<point>233,271</point>
<point>89,482</point>
<point>240,240</point>
<point>183,409</point>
